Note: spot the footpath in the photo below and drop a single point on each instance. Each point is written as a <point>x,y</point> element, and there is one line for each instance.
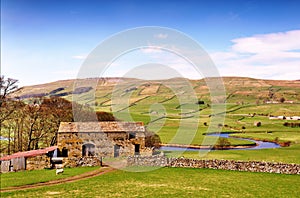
<point>86,175</point>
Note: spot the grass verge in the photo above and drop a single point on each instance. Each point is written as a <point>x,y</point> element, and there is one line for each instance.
<point>173,182</point>
<point>31,177</point>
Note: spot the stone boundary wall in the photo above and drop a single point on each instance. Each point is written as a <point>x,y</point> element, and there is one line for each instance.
<point>250,166</point>
<point>83,161</point>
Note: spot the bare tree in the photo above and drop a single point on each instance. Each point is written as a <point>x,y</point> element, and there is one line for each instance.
<point>57,110</point>
<point>6,86</point>
<point>6,107</point>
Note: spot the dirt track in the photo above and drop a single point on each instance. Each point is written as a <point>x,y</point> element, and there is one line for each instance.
<point>94,173</point>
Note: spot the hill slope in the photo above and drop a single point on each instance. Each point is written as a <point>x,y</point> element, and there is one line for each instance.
<point>168,109</point>
<point>238,89</point>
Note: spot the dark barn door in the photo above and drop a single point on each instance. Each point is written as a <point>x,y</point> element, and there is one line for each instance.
<point>136,149</point>
<point>116,151</point>
<point>88,150</point>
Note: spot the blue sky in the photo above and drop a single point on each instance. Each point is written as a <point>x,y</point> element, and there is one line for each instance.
<point>44,41</point>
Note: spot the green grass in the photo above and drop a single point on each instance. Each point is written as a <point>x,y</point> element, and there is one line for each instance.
<point>272,109</point>
<point>270,130</point>
<point>285,155</point>
<point>173,182</point>
<point>294,137</point>
<point>237,118</point>
<point>36,176</point>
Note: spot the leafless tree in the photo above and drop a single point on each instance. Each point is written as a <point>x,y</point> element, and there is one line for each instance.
<point>6,106</point>
<point>6,86</point>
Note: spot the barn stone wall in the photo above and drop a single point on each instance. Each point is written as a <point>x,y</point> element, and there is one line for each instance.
<point>38,162</point>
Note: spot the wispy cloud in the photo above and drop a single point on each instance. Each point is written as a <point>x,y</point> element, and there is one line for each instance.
<point>267,56</point>
<point>274,56</point>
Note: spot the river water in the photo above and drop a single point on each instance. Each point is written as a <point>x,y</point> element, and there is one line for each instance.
<point>259,145</point>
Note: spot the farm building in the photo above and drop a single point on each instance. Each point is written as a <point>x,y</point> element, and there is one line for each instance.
<point>28,160</point>
<point>83,144</point>
<point>101,139</point>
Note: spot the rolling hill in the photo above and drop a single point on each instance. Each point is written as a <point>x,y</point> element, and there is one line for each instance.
<point>180,111</point>
<point>239,90</point>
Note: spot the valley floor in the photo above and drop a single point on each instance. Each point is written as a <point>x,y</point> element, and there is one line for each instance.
<point>173,182</point>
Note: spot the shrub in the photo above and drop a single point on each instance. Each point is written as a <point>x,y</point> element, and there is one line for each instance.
<point>105,116</point>
<point>152,139</point>
<point>258,124</point>
<point>282,100</point>
<point>223,142</point>
<point>200,102</point>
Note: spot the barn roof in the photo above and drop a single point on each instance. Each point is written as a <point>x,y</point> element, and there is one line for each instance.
<point>31,153</point>
<point>101,127</point>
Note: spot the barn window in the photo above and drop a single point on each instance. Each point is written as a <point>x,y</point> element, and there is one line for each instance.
<point>131,135</point>
<point>117,150</point>
<point>88,150</point>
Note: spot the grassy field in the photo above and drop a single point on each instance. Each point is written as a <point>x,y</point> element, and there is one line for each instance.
<point>285,155</point>
<point>274,130</point>
<point>171,112</point>
<point>173,182</point>
<point>36,176</point>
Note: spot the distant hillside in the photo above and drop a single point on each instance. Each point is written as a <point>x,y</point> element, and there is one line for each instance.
<point>165,106</point>
<point>238,90</point>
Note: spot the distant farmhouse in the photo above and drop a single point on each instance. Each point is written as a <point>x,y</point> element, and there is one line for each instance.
<point>284,117</point>
<point>84,143</point>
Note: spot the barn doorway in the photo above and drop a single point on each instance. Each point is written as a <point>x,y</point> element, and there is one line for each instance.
<point>116,150</point>
<point>64,152</point>
<point>88,150</point>
<point>136,149</point>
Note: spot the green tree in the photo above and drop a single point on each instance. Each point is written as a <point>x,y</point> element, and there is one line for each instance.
<point>223,143</point>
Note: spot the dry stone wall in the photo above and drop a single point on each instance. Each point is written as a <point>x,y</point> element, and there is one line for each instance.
<point>251,166</point>
<point>38,162</point>
<point>83,161</point>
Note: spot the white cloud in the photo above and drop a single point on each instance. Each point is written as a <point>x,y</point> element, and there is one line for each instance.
<point>282,41</point>
<point>271,56</point>
<point>267,56</point>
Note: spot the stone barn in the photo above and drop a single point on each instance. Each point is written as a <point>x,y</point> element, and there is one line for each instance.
<point>101,139</point>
